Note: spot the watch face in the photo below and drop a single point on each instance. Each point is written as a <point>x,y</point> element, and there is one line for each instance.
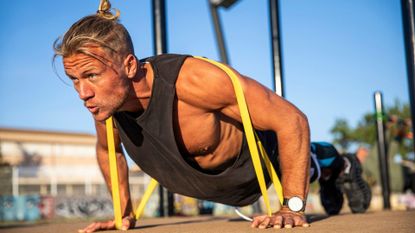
<point>295,204</point>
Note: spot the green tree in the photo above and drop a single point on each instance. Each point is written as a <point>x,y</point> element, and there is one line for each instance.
<point>365,131</point>
<point>342,134</point>
<point>397,122</point>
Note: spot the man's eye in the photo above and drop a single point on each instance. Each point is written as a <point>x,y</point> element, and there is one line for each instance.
<point>92,76</point>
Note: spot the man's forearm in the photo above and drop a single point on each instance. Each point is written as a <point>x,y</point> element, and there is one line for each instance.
<point>102,157</point>
<point>294,146</point>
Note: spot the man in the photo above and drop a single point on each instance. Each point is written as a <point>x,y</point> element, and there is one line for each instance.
<point>178,119</point>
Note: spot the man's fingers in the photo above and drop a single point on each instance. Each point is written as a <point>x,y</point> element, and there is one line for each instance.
<point>110,225</point>
<point>257,220</point>
<point>89,228</point>
<point>301,221</point>
<point>280,221</point>
<point>98,226</point>
<point>261,222</point>
<point>277,221</point>
<point>127,223</point>
<point>288,222</point>
<point>265,223</point>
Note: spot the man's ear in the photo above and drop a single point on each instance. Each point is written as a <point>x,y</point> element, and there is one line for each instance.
<point>130,66</point>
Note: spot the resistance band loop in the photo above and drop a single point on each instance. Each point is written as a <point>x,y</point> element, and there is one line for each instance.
<point>116,201</point>
<point>253,141</point>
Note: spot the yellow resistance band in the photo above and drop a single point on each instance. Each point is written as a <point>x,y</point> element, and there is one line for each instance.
<point>114,174</point>
<point>271,171</point>
<point>114,180</point>
<point>150,188</point>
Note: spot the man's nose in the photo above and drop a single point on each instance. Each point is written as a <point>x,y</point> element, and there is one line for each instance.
<point>85,91</point>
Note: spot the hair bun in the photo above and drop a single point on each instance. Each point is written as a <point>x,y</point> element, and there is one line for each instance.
<point>104,10</point>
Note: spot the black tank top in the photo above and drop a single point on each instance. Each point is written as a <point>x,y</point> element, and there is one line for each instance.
<point>150,141</point>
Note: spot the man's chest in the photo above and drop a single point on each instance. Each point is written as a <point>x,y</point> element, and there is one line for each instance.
<point>209,138</point>
<point>197,132</point>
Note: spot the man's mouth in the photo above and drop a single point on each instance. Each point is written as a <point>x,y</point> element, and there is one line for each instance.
<point>92,109</point>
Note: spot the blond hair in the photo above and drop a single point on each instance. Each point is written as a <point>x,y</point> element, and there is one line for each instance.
<point>100,30</point>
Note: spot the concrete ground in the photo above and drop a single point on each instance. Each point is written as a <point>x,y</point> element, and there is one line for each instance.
<point>384,221</point>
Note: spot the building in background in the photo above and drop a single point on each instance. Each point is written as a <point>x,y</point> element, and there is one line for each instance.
<point>44,174</point>
<point>49,163</point>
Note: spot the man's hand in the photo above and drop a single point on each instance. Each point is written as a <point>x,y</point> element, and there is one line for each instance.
<point>127,223</point>
<point>283,218</point>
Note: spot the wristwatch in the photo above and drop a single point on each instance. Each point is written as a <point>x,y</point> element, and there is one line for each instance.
<point>294,203</point>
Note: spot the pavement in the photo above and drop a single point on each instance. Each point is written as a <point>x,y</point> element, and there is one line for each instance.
<point>383,221</point>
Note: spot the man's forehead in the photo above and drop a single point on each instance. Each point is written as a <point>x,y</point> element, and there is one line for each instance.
<point>78,57</point>
<point>87,56</point>
<point>73,64</point>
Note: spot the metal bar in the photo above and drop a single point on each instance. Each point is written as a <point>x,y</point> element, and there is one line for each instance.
<point>160,47</point>
<point>408,23</point>
<point>170,205</point>
<point>382,149</point>
<point>223,3</point>
<point>218,33</point>
<point>53,184</point>
<point>159,26</point>
<point>15,181</point>
<point>277,68</point>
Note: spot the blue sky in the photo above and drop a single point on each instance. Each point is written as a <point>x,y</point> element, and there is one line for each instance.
<point>336,53</point>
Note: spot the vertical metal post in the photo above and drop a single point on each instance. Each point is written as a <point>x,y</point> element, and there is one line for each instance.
<point>170,203</point>
<point>382,149</point>
<point>159,27</point>
<point>15,181</point>
<point>408,22</point>
<point>53,184</point>
<point>160,47</point>
<point>277,68</point>
<point>218,32</point>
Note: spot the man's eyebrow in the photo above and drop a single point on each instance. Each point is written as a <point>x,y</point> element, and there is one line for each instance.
<point>70,76</point>
<point>88,70</point>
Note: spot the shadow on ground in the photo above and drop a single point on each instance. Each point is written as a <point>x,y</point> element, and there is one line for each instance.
<point>180,222</point>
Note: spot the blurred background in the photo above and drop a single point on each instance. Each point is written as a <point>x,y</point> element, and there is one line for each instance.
<point>335,55</point>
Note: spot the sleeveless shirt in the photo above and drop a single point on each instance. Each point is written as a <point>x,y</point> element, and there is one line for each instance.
<point>149,140</point>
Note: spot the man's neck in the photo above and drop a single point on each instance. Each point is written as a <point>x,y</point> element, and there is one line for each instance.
<point>140,93</point>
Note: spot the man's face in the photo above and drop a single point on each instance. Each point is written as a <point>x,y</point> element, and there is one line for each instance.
<point>101,84</point>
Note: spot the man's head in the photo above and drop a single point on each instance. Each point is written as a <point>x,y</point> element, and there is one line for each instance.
<point>98,57</point>
<point>101,30</point>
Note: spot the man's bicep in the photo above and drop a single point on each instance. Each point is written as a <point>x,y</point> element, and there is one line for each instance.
<point>267,110</point>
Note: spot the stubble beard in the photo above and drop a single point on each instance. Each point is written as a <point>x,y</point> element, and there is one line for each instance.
<point>114,104</point>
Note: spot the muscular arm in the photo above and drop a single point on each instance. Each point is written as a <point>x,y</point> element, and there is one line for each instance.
<point>103,162</point>
<point>271,112</point>
<point>214,91</point>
